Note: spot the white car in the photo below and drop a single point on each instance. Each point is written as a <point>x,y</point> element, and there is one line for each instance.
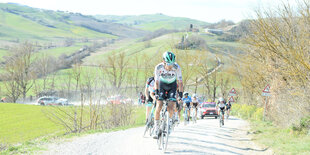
<point>48,100</point>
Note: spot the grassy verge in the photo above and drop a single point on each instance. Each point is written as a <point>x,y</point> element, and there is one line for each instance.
<point>25,129</point>
<point>280,140</point>
<point>20,123</point>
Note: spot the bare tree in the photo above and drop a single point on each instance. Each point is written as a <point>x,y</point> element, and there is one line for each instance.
<point>44,66</point>
<point>277,53</point>
<point>224,86</point>
<point>115,69</point>
<point>20,71</point>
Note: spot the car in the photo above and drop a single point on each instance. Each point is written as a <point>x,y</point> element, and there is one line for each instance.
<point>119,99</point>
<point>208,109</point>
<point>51,100</point>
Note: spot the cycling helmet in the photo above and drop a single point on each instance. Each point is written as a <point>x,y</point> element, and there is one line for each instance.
<point>221,99</point>
<point>194,95</point>
<point>185,93</point>
<point>169,57</point>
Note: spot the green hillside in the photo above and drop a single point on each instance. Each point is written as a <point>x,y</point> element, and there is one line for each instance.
<point>18,22</point>
<point>153,22</point>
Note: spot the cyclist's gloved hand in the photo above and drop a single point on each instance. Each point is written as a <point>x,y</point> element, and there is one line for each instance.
<point>156,93</point>
<point>180,95</point>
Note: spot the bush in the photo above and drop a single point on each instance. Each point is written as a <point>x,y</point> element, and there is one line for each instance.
<point>303,127</point>
<point>247,111</point>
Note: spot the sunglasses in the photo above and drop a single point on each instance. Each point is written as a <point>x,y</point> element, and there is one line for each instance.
<point>169,64</point>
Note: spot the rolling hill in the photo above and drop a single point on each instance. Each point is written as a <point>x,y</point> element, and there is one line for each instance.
<point>23,22</point>
<point>152,22</point>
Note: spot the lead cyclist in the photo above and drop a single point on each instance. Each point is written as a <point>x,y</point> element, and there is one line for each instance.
<point>168,76</point>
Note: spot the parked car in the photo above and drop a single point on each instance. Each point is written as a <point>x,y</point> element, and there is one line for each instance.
<point>208,109</point>
<point>119,99</point>
<point>50,100</point>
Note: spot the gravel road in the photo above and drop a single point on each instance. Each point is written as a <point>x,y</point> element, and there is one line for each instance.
<point>204,137</point>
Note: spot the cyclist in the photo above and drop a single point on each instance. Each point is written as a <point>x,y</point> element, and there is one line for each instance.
<point>221,106</point>
<point>149,95</point>
<point>228,107</point>
<point>168,76</point>
<point>195,103</point>
<point>187,101</point>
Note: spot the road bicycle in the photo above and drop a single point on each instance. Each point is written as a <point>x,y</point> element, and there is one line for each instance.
<point>149,126</point>
<point>164,127</point>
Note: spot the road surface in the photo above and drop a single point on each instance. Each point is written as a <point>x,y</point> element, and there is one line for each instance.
<point>204,137</point>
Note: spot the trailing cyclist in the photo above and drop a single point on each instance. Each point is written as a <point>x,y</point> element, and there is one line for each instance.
<point>149,95</point>
<point>168,76</point>
<point>195,104</point>
<point>221,104</point>
<point>228,108</point>
<point>187,101</point>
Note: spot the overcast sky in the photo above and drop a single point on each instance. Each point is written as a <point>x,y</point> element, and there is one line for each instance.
<point>205,10</point>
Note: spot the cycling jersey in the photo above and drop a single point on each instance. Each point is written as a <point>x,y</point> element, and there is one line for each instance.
<point>150,83</point>
<point>221,105</point>
<point>168,76</point>
<point>187,99</point>
<point>195,102</point>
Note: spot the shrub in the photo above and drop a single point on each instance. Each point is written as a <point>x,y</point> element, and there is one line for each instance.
<point>247,111</point>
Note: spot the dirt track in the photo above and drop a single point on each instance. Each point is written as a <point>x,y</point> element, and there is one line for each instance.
<point>205,137</point>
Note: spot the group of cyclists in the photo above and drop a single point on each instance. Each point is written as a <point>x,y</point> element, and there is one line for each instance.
<point>166,84</point>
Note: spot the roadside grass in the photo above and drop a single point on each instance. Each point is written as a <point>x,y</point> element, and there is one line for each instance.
<point>20,123</point>
<point>25,129</point>
<point>280,140</point>
<point>3,53</point>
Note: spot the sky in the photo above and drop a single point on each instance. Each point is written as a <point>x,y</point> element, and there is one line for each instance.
<point>205,10</point>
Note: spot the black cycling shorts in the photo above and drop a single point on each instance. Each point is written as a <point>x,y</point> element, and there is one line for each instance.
<point>167,91</point>
<point>222,110</point>
<point>188,105</point>
<point>195,104</point>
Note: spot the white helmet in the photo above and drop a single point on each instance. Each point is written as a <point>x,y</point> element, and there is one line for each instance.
<point>194,95</point>
<point>185,93</point>
<point>221,99</point>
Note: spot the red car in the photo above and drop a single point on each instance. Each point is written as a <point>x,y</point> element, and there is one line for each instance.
<point>208,109</point>
<point>118,99</point>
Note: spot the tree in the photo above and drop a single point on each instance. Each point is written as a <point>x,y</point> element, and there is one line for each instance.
<point>115,69</point>
<point>277,53</point>
<point>44,66</point>
<point>20,71</point>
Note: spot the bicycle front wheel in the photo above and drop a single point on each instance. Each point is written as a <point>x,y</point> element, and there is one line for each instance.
<point>165,133</point>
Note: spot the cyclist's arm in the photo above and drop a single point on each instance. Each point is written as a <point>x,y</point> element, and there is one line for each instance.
<point>146,92</point>
<point>156,73</point>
